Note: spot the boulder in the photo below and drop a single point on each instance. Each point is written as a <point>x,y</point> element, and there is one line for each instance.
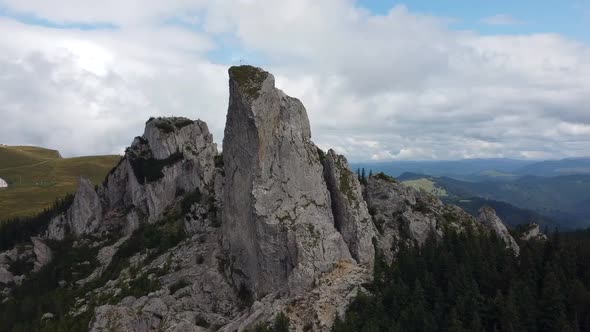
<point>43,254</point>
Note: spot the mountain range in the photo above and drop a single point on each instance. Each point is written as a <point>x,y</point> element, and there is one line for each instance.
<point>553,193</point>
<point>479,169</point>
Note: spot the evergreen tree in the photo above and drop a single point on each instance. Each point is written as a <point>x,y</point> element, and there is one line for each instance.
<point>551,314</point>
<point>470,281</point>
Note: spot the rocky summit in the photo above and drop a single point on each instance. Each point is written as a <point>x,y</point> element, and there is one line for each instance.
<point>182,238</point>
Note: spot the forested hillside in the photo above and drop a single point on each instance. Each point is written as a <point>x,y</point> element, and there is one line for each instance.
<point>471,282</point>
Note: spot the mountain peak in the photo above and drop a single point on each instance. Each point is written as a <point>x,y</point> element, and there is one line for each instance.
<point>277,220</point>
<point>249,80</point>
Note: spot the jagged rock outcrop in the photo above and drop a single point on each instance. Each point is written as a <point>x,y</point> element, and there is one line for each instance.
<point>193,292</point>
<point>487,217</point>
<point>401,213</point>
<point>85,215</point>
<point>15,265</point>
<point>43,254</point>
<point>173,157</point>
<point>533,233</point>
<point>277,220</point>
<point>351,215</point>
<point>6,277</point>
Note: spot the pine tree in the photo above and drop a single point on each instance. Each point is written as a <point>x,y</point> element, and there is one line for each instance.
<point>551,314</point>
<point>455,324</point>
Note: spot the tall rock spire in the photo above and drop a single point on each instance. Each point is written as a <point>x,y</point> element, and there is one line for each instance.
<point>277,220</point>
<point>351,215</point>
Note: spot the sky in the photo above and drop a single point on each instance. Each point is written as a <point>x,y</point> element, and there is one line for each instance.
<point>381,80</point>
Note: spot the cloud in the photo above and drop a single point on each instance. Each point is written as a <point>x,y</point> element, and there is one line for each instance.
<point>395,86</point>
<point>501,20</point>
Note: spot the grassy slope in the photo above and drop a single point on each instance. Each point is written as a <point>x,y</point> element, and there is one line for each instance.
<point>426,185</point>
<point>37,177</point>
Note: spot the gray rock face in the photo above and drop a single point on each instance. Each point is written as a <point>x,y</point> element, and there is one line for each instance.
<point>84,216</point>
<point>175,156</point>
<point>57,228</point>
<point>350,211</point>
<point>315,310</point>
<point>6,276</point>
<point>206,298</point>
<point>43,254</point>
<point>487,217</point>
<point>183,149</point>
<point>533,233</point>
<point>277,221</point>
<point>402,213</point>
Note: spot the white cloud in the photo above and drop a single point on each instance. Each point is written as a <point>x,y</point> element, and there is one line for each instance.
<point>501,19</point>
<point>397,86</point>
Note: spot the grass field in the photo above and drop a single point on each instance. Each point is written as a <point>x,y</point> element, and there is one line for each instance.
<point>426,185</point>
<point>37,177</point>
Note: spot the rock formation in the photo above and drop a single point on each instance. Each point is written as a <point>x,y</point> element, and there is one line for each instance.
<point>174,156</point>
<point>401,213</point>
<point>487,216</point>
<point>42,252</point>
<point>85,215</point>
<point>533,233</point>
<point>182,239</point>
<point>351,215</point>
<point>277,220</point>
<point>6,277</point>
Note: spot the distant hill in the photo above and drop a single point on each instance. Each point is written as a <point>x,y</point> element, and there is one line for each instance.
<point>37,176</point>
<point>562,199</point>
<point>498,169</point>
<point>509,214</point>
<point>556,167</point>
<point>453,168</point>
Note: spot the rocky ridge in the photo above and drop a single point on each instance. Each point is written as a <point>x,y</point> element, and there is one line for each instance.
<point>533,233</point>
<point>179,238</point>
<point>487,216</point>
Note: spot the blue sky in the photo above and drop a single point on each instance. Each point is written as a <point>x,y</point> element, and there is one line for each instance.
<point>571,18</point>
<point>381,80</point>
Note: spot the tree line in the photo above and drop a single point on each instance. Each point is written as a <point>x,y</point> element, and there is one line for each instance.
<point>470,281</point>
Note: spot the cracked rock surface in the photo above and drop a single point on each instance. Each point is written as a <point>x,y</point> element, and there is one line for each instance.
<point>277,219</point>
